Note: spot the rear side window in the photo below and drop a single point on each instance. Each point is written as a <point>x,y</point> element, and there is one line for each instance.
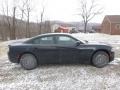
<point>47,40</point>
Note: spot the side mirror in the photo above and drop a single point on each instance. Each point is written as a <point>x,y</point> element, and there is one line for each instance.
<point>86,41</point>
<point>77,43</point>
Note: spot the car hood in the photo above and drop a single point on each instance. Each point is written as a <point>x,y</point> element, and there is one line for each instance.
<point>97,43</point>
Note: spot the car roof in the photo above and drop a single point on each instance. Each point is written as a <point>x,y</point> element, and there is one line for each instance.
<point>55,34</point>
<point>50,34</point>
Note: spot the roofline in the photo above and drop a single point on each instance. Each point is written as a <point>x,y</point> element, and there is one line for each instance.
<point>110,20</point>
<point>49,34</point>
<point>55,34</point>
<point>115,22</point>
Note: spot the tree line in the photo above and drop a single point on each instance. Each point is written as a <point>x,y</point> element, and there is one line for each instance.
<point>15,21</point>
<point>13,28</point>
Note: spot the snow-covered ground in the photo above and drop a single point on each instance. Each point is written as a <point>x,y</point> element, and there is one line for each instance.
<point>62,77</point>
<point>59,77</point>
<point>99,37</point>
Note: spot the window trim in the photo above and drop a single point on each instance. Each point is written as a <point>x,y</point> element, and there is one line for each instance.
<point>31,40</point>
<point>54,37</point>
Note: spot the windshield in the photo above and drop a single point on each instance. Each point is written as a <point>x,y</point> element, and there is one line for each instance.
<point>79,38</point>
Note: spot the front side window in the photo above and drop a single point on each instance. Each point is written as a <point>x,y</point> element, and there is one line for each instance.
<point>65,41</point>
<point>48,40</point>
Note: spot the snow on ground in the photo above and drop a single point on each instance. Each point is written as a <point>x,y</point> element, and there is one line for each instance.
<point>59,77</point>
<point>99,37</point>
<point>62,77</point>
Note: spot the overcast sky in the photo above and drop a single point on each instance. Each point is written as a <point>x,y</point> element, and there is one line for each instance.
<point>66,10</point>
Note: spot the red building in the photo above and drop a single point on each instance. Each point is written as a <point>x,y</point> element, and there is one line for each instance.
<point>62,30</point>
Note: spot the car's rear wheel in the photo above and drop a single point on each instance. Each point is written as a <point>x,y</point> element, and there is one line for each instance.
<point>28,61</point>
<point>100,59</point>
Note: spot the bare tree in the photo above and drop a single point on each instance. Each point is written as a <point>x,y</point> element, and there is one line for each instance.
<point>41,15</point>
<point>25,9</point>
<point>88,10</point>
<point>22,8</point>
<point>27,13</point>
<point>47,27</point>
<point>8,20</point>
<point>2,31</point>
<point>13,31</point>
<point>22,15</point>
<point>41,19</point>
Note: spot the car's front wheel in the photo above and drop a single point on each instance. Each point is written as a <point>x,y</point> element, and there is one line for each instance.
<point>28,61</point>
<point>100,59</point>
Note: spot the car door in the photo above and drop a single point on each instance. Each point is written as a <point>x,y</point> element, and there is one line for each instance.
<point>68,52</point>
<point>45,49</point>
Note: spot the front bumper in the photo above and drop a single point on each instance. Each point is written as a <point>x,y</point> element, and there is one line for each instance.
<point>112,55</point>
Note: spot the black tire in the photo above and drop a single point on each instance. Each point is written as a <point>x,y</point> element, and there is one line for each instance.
<point>100,59</point>
<point>28,61</point>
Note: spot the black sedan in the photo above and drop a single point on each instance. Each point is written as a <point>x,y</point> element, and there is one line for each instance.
<point>55,48</point>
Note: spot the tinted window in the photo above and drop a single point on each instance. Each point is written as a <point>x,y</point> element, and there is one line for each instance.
<point>44,40</point>
<point>65,41</point>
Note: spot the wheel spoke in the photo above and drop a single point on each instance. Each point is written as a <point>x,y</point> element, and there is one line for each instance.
<point>101,59</point>
<point>28,61</point>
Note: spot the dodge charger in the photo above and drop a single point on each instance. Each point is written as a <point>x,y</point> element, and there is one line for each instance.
<point>59,48</point>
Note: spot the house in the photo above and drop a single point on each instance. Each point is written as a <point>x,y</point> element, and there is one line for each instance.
<point>111,25</point>
<point>62,28</point>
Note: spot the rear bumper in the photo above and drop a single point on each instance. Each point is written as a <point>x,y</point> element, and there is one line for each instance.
<point>12,58</point>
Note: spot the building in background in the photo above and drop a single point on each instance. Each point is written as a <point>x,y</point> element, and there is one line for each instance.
<point>62,28</point>
<point>111,25</point>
